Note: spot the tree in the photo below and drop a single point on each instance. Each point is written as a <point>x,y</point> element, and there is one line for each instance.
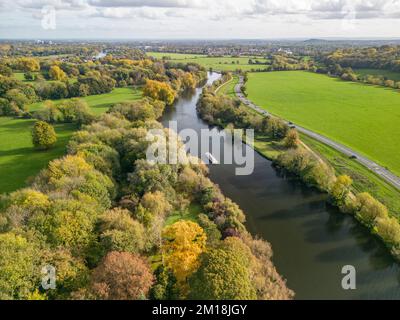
<point>43,135</point>
<point>221,276</point>
<point>159,91</point>
<point>119,232</point>
<point>292,139</point>
<point>29,76</point>
<point>17,98</point>
<point>55,73</point>
<point>370,209</point>
<point>165,287</point>
<point>121,276</point>
<point>183,242</point>
<point>5,71</point>
<point>156,203</point>
<point>28,64</point>
<point>71,272</point>
<point>211,230</point>
<point>19,266</point>
<point>341,189</point>
<point>389,230</point>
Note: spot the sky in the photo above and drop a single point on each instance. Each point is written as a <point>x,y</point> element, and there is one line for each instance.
<point>198,19</point>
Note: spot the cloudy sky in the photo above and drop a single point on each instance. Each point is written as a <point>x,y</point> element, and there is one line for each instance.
<point>199,19</point>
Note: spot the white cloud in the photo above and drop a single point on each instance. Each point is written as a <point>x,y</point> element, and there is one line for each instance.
<point>207,18</point>
<point>146,3</point>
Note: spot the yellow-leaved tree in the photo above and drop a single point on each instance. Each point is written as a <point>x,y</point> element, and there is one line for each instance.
<point>159,91</point>
<point>56,73</point>
<point>183,242</point>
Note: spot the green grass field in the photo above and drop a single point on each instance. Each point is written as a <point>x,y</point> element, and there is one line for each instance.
<point>216,63</point>
<point>18,159</point>
<point>102,102</point>
<point>365,118</point>
<point>378,72</point>
<point>20,76</point>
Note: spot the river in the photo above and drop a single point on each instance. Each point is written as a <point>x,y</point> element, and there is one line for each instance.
<point>311,240</point>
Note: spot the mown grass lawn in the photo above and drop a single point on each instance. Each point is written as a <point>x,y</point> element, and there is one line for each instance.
<point>216,63</point>
<point>102,102</point>
<point>18,159</point>
<point>363,117</point>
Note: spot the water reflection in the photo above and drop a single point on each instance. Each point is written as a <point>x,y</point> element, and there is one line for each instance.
<point>311,240</point>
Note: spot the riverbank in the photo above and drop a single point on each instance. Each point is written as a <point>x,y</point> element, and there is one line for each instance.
<point>308,167</point>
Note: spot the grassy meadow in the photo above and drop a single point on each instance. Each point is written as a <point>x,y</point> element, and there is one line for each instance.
<point>216,63</point>
<point>18,159</point>
<point>363,117</point>
<point>102,102</point>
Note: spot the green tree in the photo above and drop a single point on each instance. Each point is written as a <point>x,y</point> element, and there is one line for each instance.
<point>119,232</point>
<point>19,266</point>
<point>222,276</point>
<point>370,209</point>
<point>43,135</point>
<point>341,189</point>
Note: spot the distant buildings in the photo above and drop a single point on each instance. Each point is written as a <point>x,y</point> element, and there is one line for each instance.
<point>287,51</point>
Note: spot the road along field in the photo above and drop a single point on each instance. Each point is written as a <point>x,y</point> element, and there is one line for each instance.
<point>361,117</point>
<point>215,63</point>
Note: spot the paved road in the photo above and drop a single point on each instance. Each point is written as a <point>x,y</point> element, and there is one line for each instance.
<point>379,170</point>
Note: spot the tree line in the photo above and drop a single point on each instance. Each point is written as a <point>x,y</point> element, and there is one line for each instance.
<point>77,78</point>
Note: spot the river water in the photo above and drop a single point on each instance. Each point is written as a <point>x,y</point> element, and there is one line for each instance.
<point>311,240</point>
